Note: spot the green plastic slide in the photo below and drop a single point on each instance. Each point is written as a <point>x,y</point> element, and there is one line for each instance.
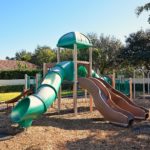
<point>33,106</point>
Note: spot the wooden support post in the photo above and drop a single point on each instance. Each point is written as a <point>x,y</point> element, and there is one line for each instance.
<point>44,69</point>
<point>85,94</point>
<point>134,83</point>
<point>36,81</point>
<point>59,92</point>
<point>148,76</point>
<point>131,94</point>
<point>26,82</point>
<point>143,85</point>
<point>75,79</point>
<point>90,71</point>
<point>59,100</point>
<point>114,79</point>
<point>58,55</point>
<point>91,103</point>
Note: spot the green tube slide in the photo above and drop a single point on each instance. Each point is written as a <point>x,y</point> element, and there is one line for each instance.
<point>33,106</point>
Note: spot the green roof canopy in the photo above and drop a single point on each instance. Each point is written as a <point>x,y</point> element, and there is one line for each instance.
<point>69,39</point>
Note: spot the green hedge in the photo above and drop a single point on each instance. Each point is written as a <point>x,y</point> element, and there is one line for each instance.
<point>12,88</point>
<point>17,74</point>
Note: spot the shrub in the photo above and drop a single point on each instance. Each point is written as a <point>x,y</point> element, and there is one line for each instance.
<point>17,74</point>
<point>13,88</point>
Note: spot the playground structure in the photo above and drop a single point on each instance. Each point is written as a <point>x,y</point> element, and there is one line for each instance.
<point>121,84</point>
<point>49,66</point>
<point>113,106</point>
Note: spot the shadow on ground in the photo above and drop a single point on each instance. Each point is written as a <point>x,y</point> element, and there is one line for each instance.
<point>66,120</point>
<point>6,126</point>
<point>137,137</point>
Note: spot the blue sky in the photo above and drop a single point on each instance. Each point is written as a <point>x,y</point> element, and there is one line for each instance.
<point>24,24</point>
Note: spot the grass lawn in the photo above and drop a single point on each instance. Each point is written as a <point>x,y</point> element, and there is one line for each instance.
<point>7,96</point>
<point>66,93</point>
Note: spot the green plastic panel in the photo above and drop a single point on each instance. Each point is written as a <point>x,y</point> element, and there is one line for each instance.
<point>82,71</point>
<point>69,39</point>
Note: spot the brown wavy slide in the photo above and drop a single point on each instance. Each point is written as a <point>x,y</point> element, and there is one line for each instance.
<point>111,89</point>
<point>119,94</point>
<point>112,106</point>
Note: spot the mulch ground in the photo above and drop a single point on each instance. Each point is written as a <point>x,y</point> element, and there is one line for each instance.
<point>65,131</point>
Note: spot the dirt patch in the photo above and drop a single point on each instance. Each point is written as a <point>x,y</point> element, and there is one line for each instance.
<point>53,131</point>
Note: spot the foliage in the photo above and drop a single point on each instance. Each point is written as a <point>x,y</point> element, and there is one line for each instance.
<point>9,58</point>
<point>127,71</point>
<point>83,54</point>
<point>21,66</point>
<point>140,9</point>
<point>66,55</point>
<point>137,50</point>
<point>43,55</point>
<point>12,88</point>
<point>105,51</point>
<point>38,57</point>
<point>17,74</point>
<point>23,56</point>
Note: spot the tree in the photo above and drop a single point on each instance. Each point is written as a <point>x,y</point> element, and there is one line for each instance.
<point>66,54</point>
<point>21,66</point>
<point>9,58</point>
<point>137,49</point>
<point>140,9</point>
<point>42,55</point>
<point>105,51</point>
<point>23,56</point>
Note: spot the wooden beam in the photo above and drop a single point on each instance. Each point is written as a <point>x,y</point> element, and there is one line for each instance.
<point>114,79</point>
<point>44,69</point>
<point>83,62</point>
<point>90,60</point>
<point>75,79</point>
<point>58,54</point>
<point>26,82</point>
<point>90,74</point>
<point>59,100</point>
<point>59,92</point>
<point>131,94</point>
<point>134,83</point>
